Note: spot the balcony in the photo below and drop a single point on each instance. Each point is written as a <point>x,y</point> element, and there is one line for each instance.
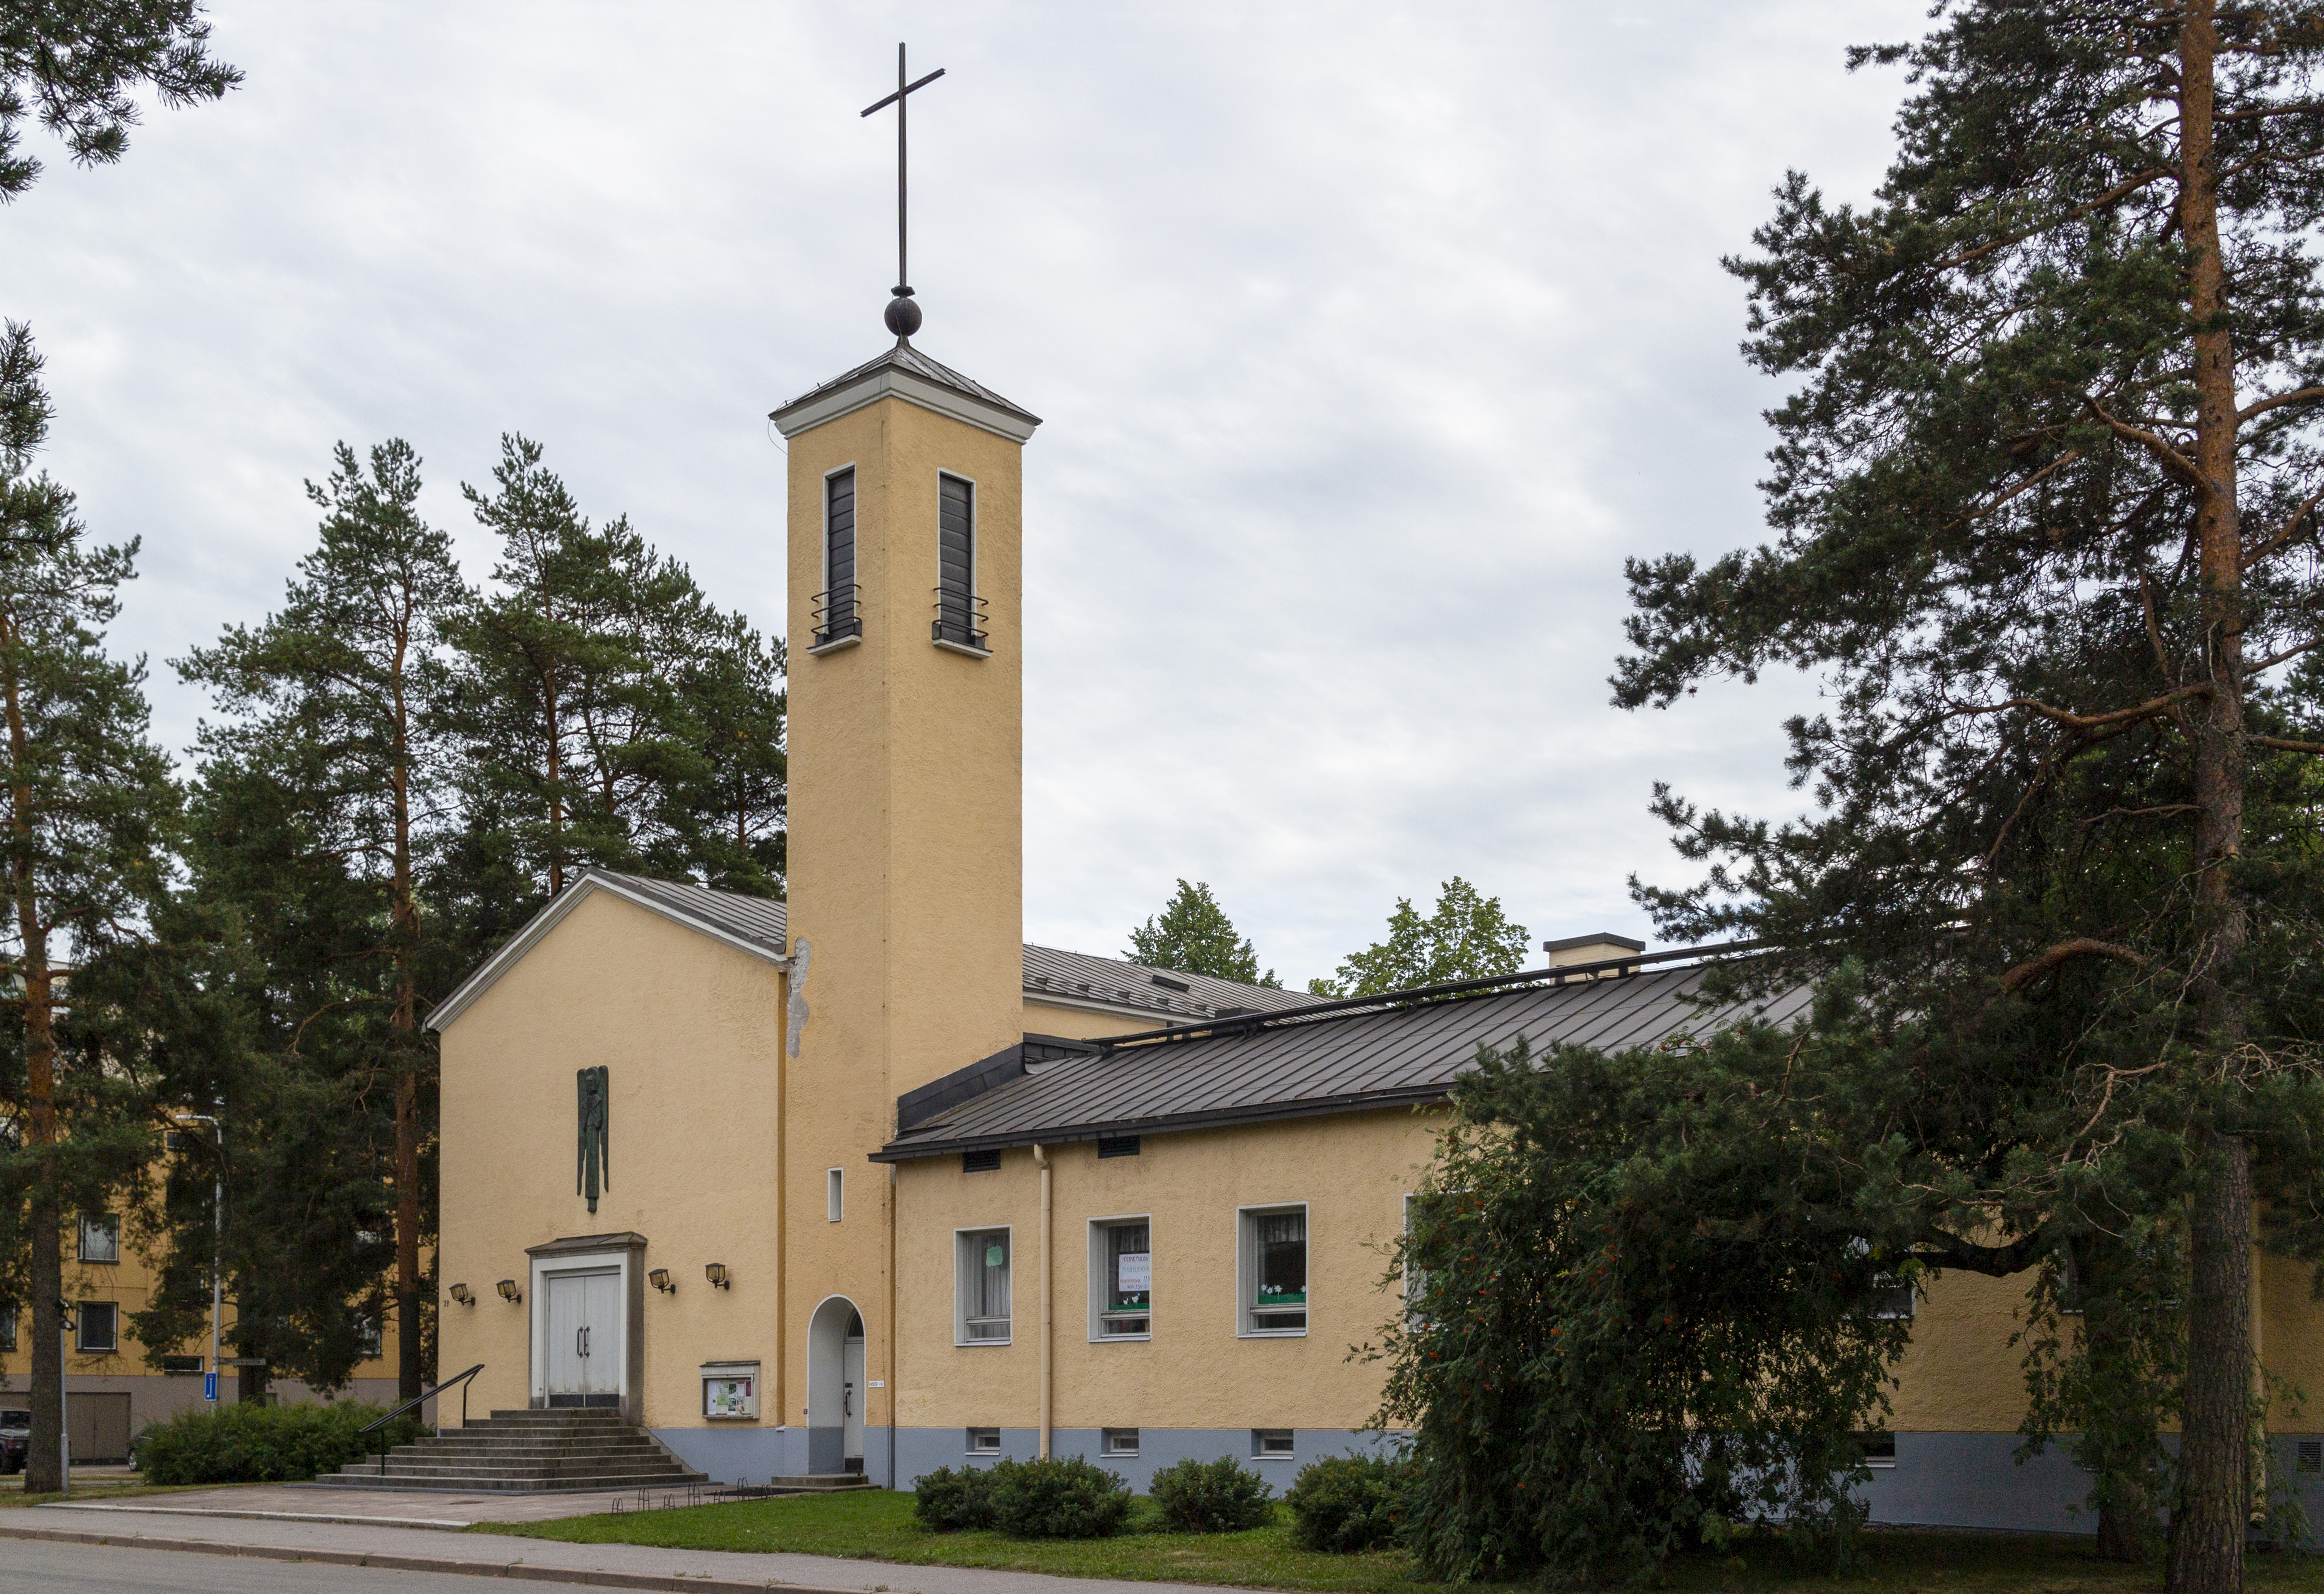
<point>960,623</point>
<point>837,620</point>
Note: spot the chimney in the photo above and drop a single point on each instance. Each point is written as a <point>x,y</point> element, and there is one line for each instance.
<point>1600,948</point>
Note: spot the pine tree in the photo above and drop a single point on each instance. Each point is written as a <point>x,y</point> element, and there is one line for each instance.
<point>1465,937</point>
<point>335,771</point>
<point>86,810</point>
<point>2045,497</point>
<point>608,714</point>
<point>1193,935</point>
<point>79,64</point>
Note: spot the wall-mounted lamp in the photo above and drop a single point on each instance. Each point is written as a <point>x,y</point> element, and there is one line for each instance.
<point>462,1293</point>
<point>659,1279</point>
<point>717,1274</point>
<point>509,1292</point>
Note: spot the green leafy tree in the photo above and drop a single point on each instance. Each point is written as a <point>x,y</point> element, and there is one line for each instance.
<point>326,797</point>
<point>76,64</point>
<point>1614,1346</point>
<point>87,806</point>
<point>1465,937</point>
<point>1193,935</point>
<point>2045,499</point>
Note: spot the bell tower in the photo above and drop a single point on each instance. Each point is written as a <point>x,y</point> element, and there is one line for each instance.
<point>906,822</point>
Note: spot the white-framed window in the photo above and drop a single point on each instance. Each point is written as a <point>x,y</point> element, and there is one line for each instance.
<point>100,1237</point>
<point>371,1341</point>
<point>96,1326</point>
<point>1122,1278</point>
<point>1879,1448</point>
<point>835,1194</point>
<point>7,1328</point>
<point>1274,1269</point>
<point>983,1441</point>
<point>1272,1444</point>
<point>1120,1441</point>
<point>1892,1294</point>
<point>982,1316</point>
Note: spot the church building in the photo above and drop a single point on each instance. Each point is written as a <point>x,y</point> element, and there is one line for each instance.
<point>861,1183</point>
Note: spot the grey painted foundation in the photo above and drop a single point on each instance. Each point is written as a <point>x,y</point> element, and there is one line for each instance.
<point>1970,1480</point>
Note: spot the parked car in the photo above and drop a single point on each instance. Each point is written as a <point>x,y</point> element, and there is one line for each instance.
<point>15,1438</point>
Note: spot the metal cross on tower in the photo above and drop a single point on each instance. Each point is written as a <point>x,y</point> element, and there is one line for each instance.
<point>903,314</point>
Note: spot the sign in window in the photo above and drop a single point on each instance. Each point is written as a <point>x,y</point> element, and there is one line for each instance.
<point>1125,1285</point>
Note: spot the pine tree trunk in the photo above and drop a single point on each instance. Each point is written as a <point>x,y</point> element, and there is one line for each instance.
<point>2214,1507</point>
<point>2208,1532</point>
<point>404,1020</point>
<point>44,1468</point>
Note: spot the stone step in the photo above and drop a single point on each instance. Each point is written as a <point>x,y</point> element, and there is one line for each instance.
<point>525,1485</point>
<point>450,1445</point>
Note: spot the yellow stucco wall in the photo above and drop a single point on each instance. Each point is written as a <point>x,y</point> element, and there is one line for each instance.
<point>1353,1173</point>
<point>688,1029</point>
<point>1083,1024</point>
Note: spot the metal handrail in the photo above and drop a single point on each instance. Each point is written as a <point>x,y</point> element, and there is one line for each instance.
<point>845,616</point>
<point>960,619</point>
<point>420,1399</point>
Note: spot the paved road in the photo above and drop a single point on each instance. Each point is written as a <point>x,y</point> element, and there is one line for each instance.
<point>30,1567</point>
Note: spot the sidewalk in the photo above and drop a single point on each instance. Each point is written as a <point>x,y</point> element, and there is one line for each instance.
<point>621,1566</point>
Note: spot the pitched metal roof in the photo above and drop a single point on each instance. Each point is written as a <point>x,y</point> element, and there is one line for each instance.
<point>761,919</point>
<point>1338,1062</point>
<point>1080,979</point>
<point>761,925</point>
<point>880,375</point>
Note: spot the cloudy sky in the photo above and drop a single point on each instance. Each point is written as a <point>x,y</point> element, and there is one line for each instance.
<point>1371,341</point>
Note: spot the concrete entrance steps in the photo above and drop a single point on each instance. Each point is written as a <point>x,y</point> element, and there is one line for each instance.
<point>527,1453</point>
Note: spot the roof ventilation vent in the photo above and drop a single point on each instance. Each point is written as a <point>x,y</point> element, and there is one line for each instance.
<point>1167,983</point>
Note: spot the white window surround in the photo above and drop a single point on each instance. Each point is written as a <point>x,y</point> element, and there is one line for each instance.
<point>960,1251</point>
<point>835,1193</point>
<point>1247,1264</point>
<point>1118,1441</point>
<point>1101,1283</point>
<point>975,552</point>
<point>536,1303</point>
<point>1273,1444</point>
<point>983,1441</point>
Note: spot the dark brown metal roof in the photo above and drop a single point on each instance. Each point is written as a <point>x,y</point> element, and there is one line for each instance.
<point>1338,1062</point>
<point>904,357</point>
<point>761,920</point>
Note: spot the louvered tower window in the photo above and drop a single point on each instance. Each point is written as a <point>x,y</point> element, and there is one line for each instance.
<point>836,614</point>
<point>960,612</point>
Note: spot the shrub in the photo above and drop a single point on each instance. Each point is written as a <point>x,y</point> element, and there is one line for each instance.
<point>947,1500</point>
<point>1213,1497</point>
<point>1063,1497</point>
<point>1347,1503</point>
<point>265,1443</point>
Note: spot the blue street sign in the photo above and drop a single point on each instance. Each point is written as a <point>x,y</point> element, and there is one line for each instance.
<point>209,1386</point>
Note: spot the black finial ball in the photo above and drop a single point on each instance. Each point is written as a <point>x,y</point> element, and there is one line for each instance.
<point>903,314</point>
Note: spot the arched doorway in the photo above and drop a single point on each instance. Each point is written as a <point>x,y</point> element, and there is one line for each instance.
<point>835,1388</point>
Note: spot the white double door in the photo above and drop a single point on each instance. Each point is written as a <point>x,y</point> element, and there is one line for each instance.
<point>585,1337</point>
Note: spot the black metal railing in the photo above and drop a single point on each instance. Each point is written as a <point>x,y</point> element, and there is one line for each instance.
<point>421,1398</point>
<point>836,616</point>
<point>960,620</point>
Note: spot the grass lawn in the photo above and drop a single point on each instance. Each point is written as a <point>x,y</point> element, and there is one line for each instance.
<point>876,1524</point>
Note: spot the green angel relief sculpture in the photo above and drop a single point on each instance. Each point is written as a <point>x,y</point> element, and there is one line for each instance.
<point>596,1167</point>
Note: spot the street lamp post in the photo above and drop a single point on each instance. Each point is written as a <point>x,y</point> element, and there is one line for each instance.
<point>65,1326</point>
<point>218,1239</point>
